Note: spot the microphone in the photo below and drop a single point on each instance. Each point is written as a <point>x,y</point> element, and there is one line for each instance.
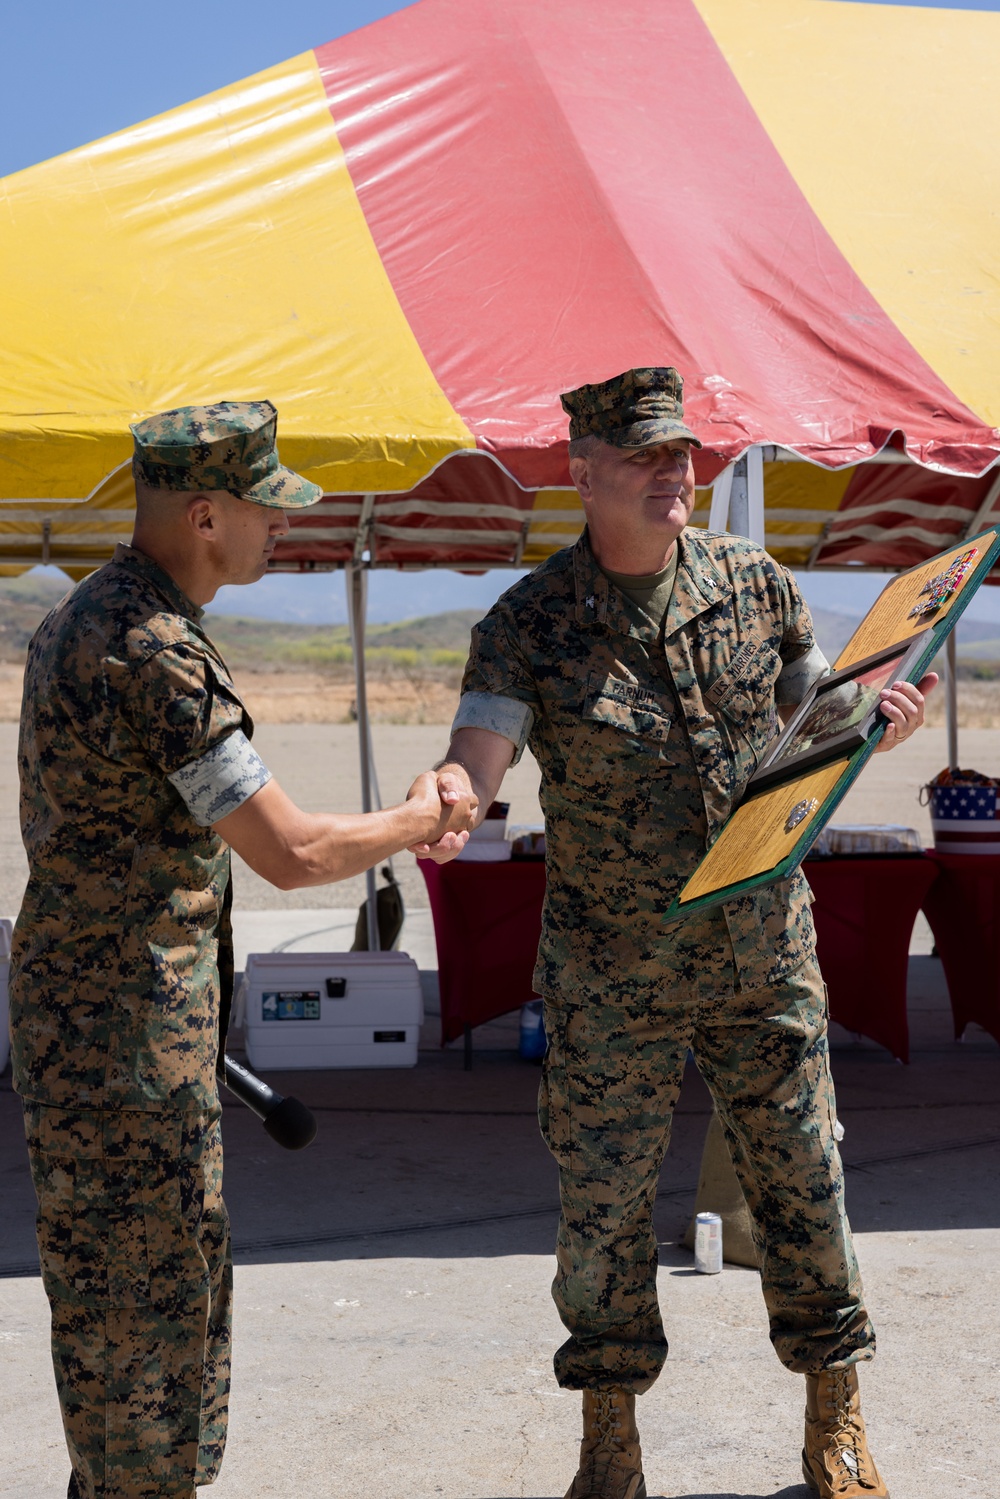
<point>286,1120</point>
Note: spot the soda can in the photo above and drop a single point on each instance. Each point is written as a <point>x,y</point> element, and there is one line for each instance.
<point>708,1244</point>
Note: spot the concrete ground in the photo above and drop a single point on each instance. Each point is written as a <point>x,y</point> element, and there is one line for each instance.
<point>317,764</point>
<point>394,1329</point>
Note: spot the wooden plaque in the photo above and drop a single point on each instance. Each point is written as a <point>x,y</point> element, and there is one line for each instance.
<point>889,619</point>
<point>758,837</point>
<point>770,832</point>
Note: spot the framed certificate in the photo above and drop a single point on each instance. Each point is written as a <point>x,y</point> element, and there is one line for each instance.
<point>841,712</point>
<point>809,767</point>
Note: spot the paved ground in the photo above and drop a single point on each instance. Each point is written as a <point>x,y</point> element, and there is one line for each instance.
<point>318,766</point>
<point>394,1330</point>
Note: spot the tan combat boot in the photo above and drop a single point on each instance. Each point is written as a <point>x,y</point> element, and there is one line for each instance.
<point>610,1456</point>
<point>836,1462</point>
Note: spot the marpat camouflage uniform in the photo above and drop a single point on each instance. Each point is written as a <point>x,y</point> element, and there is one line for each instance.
<point>631,410</point>
<point>645,741</point>
<point>130,719</point>
<point>228,446</point>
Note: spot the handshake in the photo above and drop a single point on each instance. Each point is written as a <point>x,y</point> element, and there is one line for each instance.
<point>457,792</point>
<point>448,805</point>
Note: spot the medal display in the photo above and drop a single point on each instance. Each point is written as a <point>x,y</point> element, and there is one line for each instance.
<point>807,769</point>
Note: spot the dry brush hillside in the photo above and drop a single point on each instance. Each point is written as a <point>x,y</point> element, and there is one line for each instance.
<point>299,673</point>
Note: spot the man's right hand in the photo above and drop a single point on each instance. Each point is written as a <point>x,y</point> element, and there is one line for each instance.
<point>294,849</point>
<point>454,790</point>
<point>476,764</point>
<point>451,806</point>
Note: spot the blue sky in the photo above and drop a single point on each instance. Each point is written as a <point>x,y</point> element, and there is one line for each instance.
<point>75,71</point>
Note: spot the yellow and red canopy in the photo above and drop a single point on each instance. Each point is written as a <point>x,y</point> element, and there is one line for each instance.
<point>413,238</point>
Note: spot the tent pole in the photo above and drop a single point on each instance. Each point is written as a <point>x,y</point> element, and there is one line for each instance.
<point>718,515</point>
<point>951,699</point>
<point>755,494</point>
<point>739,509</point>
<point>357,601</point>
<point>982,518</point>
<point>746,496</point>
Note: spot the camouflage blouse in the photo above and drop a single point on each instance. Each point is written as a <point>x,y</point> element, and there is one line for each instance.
<point>646,738</point>
<point>115,987</point>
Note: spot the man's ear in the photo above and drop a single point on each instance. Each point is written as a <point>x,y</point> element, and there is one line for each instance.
<point>202,518</point>
<point>579,472</point>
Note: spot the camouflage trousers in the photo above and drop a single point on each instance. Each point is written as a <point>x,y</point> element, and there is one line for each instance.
<point>133,1238</point>
<point>609,1085</point>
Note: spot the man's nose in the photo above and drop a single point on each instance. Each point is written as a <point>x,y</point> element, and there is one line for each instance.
<point>279,525</point>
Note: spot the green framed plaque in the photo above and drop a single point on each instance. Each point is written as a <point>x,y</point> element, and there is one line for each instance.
<point>811,765</point>
<point>839,713</point>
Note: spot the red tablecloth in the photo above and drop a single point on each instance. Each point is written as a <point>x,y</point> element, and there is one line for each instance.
<point>864,914</point>
<point>963,908</point>
<point>487,922</point>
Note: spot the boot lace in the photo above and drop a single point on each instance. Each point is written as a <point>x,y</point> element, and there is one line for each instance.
<point>599,1478</point>
<point>607,1419</point>
<point>846,1432</point>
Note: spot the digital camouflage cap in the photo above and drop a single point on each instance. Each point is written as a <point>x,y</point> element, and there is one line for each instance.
<point>632,410</point>
<point>229,445</point>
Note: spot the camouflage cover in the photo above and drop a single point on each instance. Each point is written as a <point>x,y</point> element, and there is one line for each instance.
<point>632,410</point>
<point>115,963</point>
<point>230,446</point>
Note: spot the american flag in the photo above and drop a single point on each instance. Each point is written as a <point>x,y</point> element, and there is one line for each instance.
<point>965,819</point>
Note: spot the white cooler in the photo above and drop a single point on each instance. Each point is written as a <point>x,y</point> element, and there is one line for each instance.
<point>334,1009</point>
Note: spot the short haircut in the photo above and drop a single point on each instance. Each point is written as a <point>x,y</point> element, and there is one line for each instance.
<point>151,503</point>
<point>582,447</point>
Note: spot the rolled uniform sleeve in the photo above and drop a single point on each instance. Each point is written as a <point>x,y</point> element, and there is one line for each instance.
<point>194,731</point>
<point>803,663</point>
<point>500,715</point>
<point>498,690</point>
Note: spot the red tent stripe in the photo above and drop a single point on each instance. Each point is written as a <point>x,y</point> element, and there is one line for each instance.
<point>575,205</point>
<point>896,517</point>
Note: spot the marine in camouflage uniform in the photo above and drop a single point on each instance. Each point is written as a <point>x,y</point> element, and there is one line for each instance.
<point>133,742</point>
<point>644,741</point>
<point>646,725</point>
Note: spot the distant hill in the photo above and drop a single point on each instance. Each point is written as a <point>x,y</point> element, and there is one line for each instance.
<point>24,603</point>
<point>833,631</point>
<point>450,631</point>
<point>978,640</point>
<point>429,641</point>
<point>437,640</point>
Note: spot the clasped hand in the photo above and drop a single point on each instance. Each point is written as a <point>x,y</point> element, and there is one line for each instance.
<point>452,806</point>
<point>459,806</point>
